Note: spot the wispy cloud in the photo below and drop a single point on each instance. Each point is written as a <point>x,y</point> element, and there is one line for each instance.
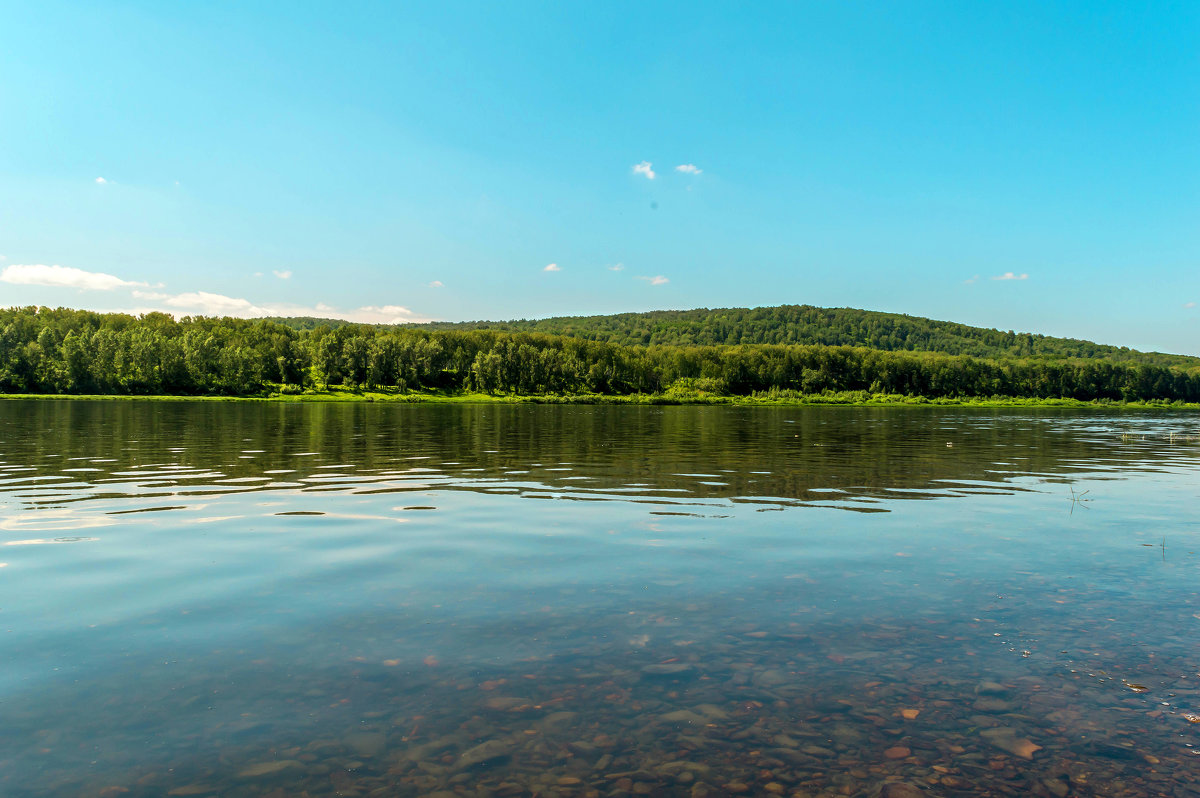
<point>436,284</point>
<point>644,168</point>
<point>153,296</point>
<point>206,303</point>
<point>1189,304</point>
<point>1011,276</point>
<point>209,304</point>
<point>617,267</point>
<point>282,275</point>
<point>193,303</point>
<point>101,180</point>
<point>658,279</point>
<point>688,169</point>
<point>552,267</point>
<point>63,277</point>
<point>972,281</point>
<point>385,314</point>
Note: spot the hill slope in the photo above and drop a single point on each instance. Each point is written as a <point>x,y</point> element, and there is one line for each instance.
<point>805,324</point>
<point>58,350</point>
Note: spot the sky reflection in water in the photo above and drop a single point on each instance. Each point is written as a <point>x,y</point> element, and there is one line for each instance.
<point>257,599</point>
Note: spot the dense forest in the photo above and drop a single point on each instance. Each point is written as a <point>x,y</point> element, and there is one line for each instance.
<point>804,324</point>
<point>45,350</point>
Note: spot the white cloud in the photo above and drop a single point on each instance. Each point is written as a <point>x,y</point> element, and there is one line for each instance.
<point>972,281</point>
<point>205,303</point>
<point>282,275</point>
<point>436,284</point>
<point>208,304</point>
<point>1189,304</point>
<point>369,314</point>
<point>617,267</point>
<point>1011,276</point>
<point>196,303</point>
<point>656,280</point>
<point>101,180</point>
<point>644,168</point>
<point>385,314</point>
<point>63,277</point>
<point>150,295</point>
<point>688,169</point>
<point>552,267</point>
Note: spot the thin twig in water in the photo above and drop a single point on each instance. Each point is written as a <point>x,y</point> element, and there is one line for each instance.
<point>1077,498</point>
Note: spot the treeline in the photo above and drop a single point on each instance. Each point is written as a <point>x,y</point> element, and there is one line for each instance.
<point>70,351</point>
<point>805,324</point>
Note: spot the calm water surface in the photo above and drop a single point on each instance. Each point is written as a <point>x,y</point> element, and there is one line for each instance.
<point>366,600</point>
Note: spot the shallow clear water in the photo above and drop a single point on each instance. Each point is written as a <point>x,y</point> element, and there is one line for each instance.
<point>272,599</point>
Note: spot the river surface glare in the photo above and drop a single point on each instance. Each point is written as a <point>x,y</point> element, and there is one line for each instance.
<point>260,599</point>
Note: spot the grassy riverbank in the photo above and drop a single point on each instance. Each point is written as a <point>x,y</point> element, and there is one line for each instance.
<point>765,399</point>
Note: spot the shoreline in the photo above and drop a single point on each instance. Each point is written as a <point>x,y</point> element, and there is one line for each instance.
<point>846,399</point>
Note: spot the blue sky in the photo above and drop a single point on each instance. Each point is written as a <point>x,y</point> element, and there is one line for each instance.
<point>431,161</point>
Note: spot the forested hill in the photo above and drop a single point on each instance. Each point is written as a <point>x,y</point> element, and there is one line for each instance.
<point>309,322</point>
<point>45,350</point>
<point>805,324</point>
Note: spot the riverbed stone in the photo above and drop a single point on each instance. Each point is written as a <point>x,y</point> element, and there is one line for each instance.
<point>898,789</point>
<point>668,669</point>
<point>270,768</point>
<point>366,744</point>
